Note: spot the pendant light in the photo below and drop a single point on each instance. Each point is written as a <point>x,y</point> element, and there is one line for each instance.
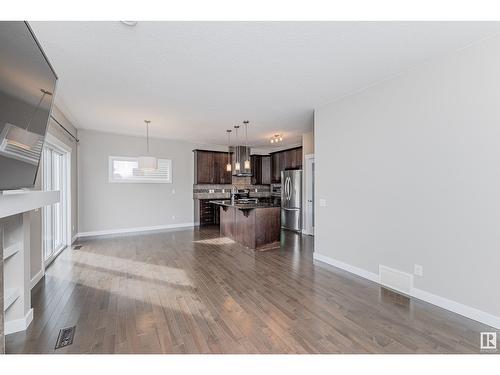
<point>237,165</point>
<point>276,138</point>
<point>148,162</point>
<point>21,139</point>
<point>247,153</point>
<point>228,165</point>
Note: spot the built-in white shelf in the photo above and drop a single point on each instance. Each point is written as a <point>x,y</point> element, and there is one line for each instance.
<point>11,295</point>
<point>12,203</point>
<point>12,250</point>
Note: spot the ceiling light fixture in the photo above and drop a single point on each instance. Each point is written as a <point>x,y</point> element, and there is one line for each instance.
<point>148,162</point>
<point>247,153</point>
<point>237,165</point>
<point>228,165</point>
<point>129,23</point>
<point>276,138</point>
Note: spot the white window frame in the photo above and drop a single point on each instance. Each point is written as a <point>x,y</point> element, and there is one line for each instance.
<point>53,142</point>
<point>113,180</point>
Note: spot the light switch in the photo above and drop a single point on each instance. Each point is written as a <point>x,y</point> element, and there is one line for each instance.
<point>418,270</point>
<point>322,202</point>
<point>173,191</point>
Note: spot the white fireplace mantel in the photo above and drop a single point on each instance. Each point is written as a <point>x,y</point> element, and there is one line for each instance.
<point>19,201</point>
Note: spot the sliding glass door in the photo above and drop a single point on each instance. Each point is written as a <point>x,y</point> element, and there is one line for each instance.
<point>55,217</point>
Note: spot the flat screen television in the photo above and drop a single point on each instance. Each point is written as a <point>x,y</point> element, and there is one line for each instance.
<point>27,85</point>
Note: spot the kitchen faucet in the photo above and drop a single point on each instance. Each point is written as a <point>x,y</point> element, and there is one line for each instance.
<point>234,190</point>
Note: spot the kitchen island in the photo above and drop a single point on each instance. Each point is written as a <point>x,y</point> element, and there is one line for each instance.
<point>254,225</point>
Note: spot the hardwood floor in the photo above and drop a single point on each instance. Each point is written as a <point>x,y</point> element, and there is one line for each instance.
<point>190,291</point>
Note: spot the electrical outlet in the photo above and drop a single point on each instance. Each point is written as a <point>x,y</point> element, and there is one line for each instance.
<point>173,191</point>
<point>322,202</point>
<point>256,190</point>
<point>418,270</point>
<point>173,217</point>
<point>211,191</point>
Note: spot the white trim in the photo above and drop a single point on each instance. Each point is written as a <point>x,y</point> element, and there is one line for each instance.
<point>307,176</point>
<point>66,151</point>
<point>37,278</point>
<point>74,238</point>
<point>18,325</point>
<point>56,142</point>
<point>53,257</point>
<point>113,180</point>
<point>134,230</point>
<point>347,267</point>
<point>456,307</point>
<point>447,304</point>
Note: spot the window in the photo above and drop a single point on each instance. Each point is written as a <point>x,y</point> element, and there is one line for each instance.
<point>56,218</point>
<point>125,169</point>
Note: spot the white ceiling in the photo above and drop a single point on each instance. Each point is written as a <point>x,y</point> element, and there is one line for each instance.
<point>194,80</point>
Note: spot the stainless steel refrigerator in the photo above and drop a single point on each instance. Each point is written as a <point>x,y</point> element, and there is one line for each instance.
<point>291,200</point>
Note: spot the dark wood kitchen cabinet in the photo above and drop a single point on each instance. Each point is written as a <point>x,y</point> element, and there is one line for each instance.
<point>277,162</point>
<point>265,172</point>
<point>210,167</point>
<point>261,169</point>
<point>209,213</point>
<point>283,160</point>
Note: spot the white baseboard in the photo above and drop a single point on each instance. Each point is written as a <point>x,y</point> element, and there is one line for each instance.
<point>445,303</point>
<point>133,230</point>
<point>36,278</point>
<point>74,238</point>
<point>347,267</point>
<point>456,307</point>
<point>19,325</point>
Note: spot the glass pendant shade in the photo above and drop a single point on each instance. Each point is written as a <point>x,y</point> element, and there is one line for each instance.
<point>228,167</point>
<point>147,163</point>
<point>237,166</point>
<point>247,164</point>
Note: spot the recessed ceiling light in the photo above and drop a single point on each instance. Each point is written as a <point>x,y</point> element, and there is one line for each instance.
<point>129,23</point>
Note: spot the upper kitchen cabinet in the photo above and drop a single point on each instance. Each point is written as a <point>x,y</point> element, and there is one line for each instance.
<point>261,169</point>
<point>277,164</point>
<point>210,167</point>
<point>265,174</point>
<point>283,160</point>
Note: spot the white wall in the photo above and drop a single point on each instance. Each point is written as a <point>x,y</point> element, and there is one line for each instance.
<point>105,206</point>
<point>410,169</point>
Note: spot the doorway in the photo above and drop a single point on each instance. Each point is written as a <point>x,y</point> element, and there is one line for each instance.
<point>56,175</point>
<point>309,195</point>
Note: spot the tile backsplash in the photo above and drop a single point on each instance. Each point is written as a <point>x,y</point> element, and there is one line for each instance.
<point>223,191</point>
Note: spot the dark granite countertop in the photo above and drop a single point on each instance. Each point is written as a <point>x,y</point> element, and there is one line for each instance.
<point>243,206</point>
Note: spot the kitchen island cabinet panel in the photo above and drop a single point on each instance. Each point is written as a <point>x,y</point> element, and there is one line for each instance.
<point>258,228</point>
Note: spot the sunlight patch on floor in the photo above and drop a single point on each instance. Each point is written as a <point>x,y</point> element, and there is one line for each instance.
<point>216,241</point>
<point>140,270</point>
